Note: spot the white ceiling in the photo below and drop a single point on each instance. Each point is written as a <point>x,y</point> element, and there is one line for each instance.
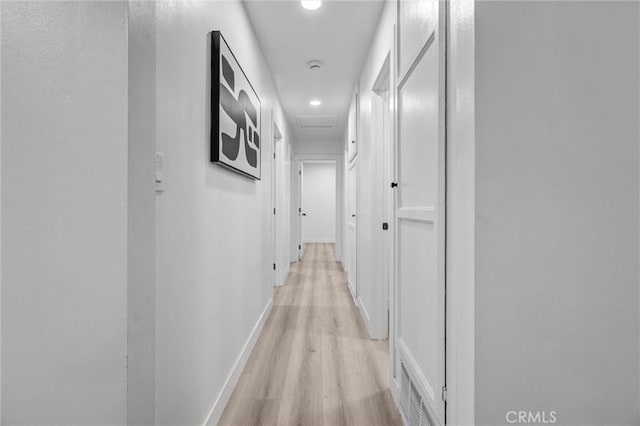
<point>338,34</point>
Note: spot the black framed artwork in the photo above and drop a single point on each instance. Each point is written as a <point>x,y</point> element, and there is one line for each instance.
<point>235,113</point>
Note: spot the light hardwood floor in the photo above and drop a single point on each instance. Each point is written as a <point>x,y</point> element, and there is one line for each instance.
<point>313,364</point>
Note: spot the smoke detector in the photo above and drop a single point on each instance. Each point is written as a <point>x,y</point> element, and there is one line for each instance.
<point>314,65</point>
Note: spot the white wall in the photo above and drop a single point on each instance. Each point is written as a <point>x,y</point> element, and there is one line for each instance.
<point>319,202</point>
<point>141,214</point>
<point>556,101</point>
<point>64,212</point>
<point>372,293</point>
<point>213,227</point>
<point>317,146</point>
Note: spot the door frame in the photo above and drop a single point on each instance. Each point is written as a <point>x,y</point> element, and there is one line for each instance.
<point>392,260</point>
<point>296,165</point>
<point>300,181</point>
<point>303,164</point>
<point>460,213</point>
<point>277,137</point>
<point>382,115</point>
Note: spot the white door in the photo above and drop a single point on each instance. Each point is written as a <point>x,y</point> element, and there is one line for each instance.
<point>387,196</point>
<point>280,209</point>
<point>275,181</point>
<point>352,197</point>
<point>420,203</point>
<point>319,202</point>
<point>300,180</point>
<point>352,227</point>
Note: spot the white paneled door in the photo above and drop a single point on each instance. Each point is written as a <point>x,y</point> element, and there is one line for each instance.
<point>352,226</point>
<point>319,202</point>
<point>300,179</point>
<point>420,201</point>
<point>352,197</point>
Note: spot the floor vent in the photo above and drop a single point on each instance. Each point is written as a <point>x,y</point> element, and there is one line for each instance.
<point>413,408</point>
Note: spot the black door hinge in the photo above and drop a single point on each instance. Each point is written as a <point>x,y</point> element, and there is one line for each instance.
<point>299,209</point>
<point>394,184</point>
<point>274,210</point>
<point>385,226</point>
<point>274,266</point>
<point>299,247</point>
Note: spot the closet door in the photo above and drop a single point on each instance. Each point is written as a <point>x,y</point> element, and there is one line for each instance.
<point>352,199</point>
<point>420,209</point>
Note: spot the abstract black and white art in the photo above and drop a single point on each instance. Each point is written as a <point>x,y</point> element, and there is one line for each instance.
<point>235,113</point>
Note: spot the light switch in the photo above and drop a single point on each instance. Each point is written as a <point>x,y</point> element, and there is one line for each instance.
<point>160,172</point>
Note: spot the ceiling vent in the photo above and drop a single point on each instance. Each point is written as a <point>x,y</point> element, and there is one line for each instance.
<point>317,121</point>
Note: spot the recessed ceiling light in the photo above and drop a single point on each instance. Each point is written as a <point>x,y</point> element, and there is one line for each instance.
<point>311,4</point>
<point>315,102</point>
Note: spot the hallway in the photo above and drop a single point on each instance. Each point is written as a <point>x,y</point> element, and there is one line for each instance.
<point>313,363</point>
<point>319,212</point>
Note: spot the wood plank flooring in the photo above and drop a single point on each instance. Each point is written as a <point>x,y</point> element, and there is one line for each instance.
<point>313,364</point>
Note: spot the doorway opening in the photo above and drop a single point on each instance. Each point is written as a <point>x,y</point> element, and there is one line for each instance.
<point>318,202</point>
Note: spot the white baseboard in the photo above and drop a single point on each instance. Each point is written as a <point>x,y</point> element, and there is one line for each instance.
<point>365,316</point>
<point>374,329</point>
<point>363,310</point>
<point>353,293</point>
<point>285,275</point>
<point>234,375</point>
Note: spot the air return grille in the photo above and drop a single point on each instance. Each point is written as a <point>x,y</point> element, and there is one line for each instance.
<point>317,121</point>
<point>413,409</point>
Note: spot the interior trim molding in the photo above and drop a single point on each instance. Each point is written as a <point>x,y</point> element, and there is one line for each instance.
<point>234,375</point>
<point>365,317</point>
<point>353,293</point>
<point>284,276</point>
